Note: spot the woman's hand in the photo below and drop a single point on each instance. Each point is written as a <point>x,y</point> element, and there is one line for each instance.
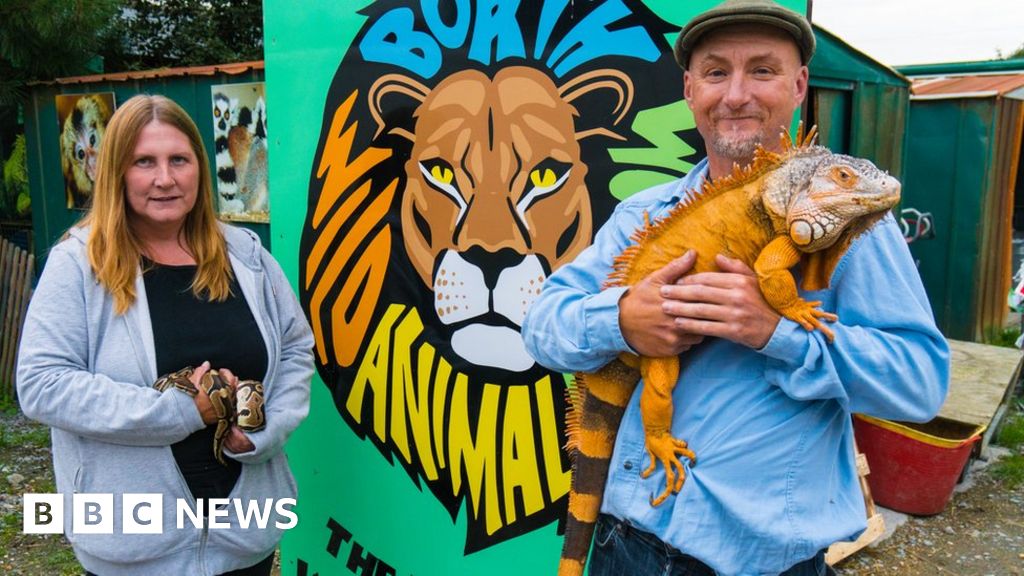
<point>237,441</point>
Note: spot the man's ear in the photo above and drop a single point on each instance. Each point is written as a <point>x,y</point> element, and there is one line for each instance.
<point>687,90</point>
<point>801,84</point>
<point>394,84</point>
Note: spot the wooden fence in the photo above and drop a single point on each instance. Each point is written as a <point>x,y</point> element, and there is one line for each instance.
<point>16,277</point>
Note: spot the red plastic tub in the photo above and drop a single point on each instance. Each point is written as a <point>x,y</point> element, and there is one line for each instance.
<point>914,467</point>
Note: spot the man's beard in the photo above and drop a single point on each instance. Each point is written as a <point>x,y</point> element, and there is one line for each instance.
<point>739,149</point>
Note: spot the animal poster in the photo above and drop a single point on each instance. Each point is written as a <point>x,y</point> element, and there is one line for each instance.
<point>441,159</point>
<point>82,120</point>
<point>240,145</point>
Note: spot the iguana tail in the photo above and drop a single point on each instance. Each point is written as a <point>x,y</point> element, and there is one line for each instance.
<point>596,405</point>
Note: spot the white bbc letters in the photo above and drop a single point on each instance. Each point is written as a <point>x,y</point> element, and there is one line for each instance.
<point>142,513</point>
<point>42,514</point>
<point>92,513</point>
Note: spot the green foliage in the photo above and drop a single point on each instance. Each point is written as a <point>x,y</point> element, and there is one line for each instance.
<point>1010,470</point>
<point>1011,431</point>
<point>1006,338</point>
<point>14,192</point>
<point>1018,53</point>
<point>171,33</point>
<point>46,39</point>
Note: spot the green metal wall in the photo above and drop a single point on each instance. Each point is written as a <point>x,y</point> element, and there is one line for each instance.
<point>952,173</point>
<point>50,215</point>
<point>860,105</point>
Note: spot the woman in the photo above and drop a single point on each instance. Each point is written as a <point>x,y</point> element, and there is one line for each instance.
<point>146,284</point>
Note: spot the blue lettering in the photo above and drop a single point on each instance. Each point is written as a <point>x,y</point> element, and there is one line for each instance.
<point>449,36</point>
<point>496,25</point>
<point>392,40</point>
<point>548,18</point>
<point>592,39</point>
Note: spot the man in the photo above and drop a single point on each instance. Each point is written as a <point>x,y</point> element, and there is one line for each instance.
<point>763,403</point>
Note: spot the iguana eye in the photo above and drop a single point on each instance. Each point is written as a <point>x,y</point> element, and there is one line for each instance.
<point>844,176</point>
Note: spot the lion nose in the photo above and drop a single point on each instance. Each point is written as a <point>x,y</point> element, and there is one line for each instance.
<point>492,263</point>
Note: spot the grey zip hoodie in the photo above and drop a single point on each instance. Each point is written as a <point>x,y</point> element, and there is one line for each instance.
<point>88,373</point>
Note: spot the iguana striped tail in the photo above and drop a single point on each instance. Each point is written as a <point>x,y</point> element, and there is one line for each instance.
<point>596,405</point>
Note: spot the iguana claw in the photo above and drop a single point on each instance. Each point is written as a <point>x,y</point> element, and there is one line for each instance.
<point>808,315</point>
<point>666,449</point>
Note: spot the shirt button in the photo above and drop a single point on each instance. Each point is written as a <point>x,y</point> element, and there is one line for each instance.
<point>628,465</point>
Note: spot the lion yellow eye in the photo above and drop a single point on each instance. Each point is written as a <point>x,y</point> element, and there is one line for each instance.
<point>442,174</point>
<point>543,178</point>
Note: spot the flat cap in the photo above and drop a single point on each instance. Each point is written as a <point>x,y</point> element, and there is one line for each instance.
<point>745,12</point>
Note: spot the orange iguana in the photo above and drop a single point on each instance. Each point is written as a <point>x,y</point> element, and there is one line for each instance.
<point>803,204</point>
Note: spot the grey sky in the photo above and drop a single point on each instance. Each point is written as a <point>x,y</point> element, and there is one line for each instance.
<point>898,32</point>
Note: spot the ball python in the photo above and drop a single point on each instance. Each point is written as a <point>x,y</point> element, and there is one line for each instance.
<point>242,406</point>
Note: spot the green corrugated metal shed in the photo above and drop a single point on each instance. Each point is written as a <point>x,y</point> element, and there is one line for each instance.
<point>189,87</point>
<point>859,104</point>
<point>963,152</point>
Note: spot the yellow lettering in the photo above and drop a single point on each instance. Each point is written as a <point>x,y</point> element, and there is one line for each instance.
<point>479,459</point>
<point>519,455</point>
<point>403,382</point>
<point>558,478</point>
<point>444,372</point>
<point>422,406</point>
<point>412,394</point>
<point>373,372</point>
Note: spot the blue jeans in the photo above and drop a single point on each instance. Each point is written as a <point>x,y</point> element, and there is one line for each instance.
<point>622,550</point>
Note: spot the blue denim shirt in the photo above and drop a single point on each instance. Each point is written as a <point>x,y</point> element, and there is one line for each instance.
<point>775,479</point>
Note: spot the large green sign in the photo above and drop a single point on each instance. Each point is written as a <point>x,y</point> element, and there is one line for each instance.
<point>434,161</point>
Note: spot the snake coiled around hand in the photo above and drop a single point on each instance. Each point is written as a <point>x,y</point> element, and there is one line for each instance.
<point>241,406</point>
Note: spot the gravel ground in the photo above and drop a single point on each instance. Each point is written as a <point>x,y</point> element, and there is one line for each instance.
<point>981,532</point>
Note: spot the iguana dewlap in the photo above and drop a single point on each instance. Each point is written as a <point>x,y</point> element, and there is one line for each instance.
<point>804,204</point>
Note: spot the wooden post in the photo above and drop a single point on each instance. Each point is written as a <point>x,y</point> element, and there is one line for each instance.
<point>876,524</point>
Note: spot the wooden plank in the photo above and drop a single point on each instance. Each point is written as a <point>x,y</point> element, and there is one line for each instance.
<point>876,524</point>
<point>9,280</point>
<point>16,281</point>
<point>840,550</point>
<point>22,296</point>
<point>6,256</point>
<point>982,378</point>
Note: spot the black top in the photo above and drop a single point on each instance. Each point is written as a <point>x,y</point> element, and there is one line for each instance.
<point>186,332</point>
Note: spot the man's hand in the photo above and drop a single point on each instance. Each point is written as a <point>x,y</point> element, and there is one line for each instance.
<point>648,327</point>
<point>726,304</point>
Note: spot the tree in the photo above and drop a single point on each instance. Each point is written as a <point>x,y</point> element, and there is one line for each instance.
<point>1018,53</point>
<point>171,33</point>
<point>46,39</point>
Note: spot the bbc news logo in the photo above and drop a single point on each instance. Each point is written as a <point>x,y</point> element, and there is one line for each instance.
<point>144,513</point>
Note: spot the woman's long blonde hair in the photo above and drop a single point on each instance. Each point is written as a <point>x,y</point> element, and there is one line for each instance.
<point>113,247</point>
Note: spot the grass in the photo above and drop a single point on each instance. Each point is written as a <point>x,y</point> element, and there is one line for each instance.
<point>37,437</point>
<point>1006,338</point>
<point>1010,470</point>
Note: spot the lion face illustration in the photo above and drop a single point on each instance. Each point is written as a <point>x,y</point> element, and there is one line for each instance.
<point>495,198</point>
